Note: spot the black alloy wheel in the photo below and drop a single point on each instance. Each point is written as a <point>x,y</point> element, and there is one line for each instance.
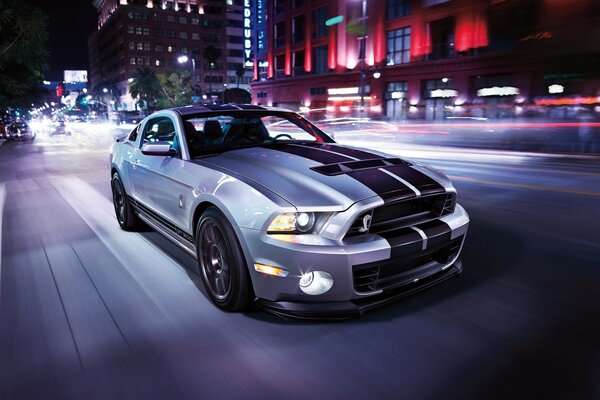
<point>126,216</point>
<point>222,266</point>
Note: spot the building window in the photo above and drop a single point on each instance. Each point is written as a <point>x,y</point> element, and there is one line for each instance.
<point>397,8</point>
<point>138,30</point>
<point>320,59</point>
<point>209,37</point>
<point>298,63</point>
<point>146,31</point>
<point>298,29</point>
<point>280,66</point>
<point>195,36</point>
<point>158,32</point>
<point>137,15</point>
<point>280,34</point>
<point>234,23</point>
<point>236,53</point>
<point>442,39</point>
<point>212,10</point>
<point>131,30</point>
<point>183,35</point>
<point>398,46</point>
<point>131,45</point>
<point>320,15</point>
<point>261,95</point>
<point>171,49</point>
<point>279,6</point>
<point>195,21</point>
<point>159,62</point>
<point>159,48</point>
<point>183,20</point>
<point>236,39</point>
<point>184,49</point>
<point>132,60</point>
<point>318,91</point>
<point>212,23</point>
<point>158,17</point>
<point>170,33</point>
<point>170,18</point>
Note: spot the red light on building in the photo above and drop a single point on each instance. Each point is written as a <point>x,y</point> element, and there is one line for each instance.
<point>60,91</point>
<point>471,30</point>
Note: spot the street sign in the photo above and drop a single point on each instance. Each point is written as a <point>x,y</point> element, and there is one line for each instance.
<point>334,20</point>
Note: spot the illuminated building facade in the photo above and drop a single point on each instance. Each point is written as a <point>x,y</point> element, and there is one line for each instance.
<point>428,59</point>
<point>152,34</point>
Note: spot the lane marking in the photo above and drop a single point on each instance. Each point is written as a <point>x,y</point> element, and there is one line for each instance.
<point>524,186</point>
<point>2,201</point>
<point>405,182</point>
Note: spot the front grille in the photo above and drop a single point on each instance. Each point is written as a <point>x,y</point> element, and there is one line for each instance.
<point>404,213</point>
<point>391,273</point>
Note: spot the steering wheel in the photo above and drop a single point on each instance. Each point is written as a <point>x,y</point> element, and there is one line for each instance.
<point>282,135</point>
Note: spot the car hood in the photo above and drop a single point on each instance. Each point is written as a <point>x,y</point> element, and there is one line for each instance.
<point>328,176</point>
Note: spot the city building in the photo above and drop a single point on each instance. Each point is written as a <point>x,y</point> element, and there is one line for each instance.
<point>428,59</point>
<point>155,34</point>
<point>238,74</point>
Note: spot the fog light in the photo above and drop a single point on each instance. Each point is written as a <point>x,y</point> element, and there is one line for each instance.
<point>317,282</point>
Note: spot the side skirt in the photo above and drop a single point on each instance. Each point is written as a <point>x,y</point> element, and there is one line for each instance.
<point>165,227</point>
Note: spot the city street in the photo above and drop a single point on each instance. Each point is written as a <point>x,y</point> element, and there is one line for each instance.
<point>90,311</point>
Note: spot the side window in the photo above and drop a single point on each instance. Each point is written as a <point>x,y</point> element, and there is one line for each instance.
<point>134,133</point>
<point>160,129</point>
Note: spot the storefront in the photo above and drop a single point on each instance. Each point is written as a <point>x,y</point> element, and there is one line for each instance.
<point>495,96</point>
<point>439,98</point>
<point>396,101</point>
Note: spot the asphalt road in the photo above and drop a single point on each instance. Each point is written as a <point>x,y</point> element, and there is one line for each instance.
<point>90,311</point>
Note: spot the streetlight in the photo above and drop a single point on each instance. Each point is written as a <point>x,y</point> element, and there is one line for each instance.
<point>184,59</point>
<point>363,56</point>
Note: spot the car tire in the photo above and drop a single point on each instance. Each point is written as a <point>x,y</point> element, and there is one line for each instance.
<point>221,262</point>
<point>126,216</point>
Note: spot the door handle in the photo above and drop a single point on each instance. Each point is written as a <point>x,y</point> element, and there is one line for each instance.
<point>134,162</point>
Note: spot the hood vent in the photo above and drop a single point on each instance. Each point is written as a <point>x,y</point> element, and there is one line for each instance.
<point>350,166</point>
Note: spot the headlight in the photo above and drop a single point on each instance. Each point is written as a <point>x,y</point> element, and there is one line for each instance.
<point>292,222</point>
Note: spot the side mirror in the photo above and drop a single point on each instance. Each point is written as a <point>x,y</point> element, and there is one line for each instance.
<point>158,149</point>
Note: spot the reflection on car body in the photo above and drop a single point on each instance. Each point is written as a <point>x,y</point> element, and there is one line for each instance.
<point>279,214</point>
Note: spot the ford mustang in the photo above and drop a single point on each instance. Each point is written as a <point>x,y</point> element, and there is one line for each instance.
<point>278,214</point>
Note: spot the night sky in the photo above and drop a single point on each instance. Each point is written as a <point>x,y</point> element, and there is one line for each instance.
<point>69,24</point>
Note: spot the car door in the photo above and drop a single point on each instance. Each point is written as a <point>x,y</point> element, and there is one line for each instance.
<point>152,176</point>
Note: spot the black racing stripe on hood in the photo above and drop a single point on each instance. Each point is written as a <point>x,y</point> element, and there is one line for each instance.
<point>355,153</point>
<point>388,188</point>
<point>424,183</point>
<point>323,157</point>
<point>385,186</point>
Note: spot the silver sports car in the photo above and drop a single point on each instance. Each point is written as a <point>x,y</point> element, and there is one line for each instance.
<point>278,214</point>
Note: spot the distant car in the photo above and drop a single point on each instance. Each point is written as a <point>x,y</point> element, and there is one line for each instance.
<point>279,214</point>
<point>60,128</point>
<point>20,131</point>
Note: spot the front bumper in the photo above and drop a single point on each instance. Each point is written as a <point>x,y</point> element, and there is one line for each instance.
<point>401,265</point>
<point>355,308</point>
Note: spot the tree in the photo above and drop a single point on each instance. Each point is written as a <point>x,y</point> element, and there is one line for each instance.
<point>211,55</point>
<point>239,72</point>
<point>145,86</point>
<point>23,55</point>
<point>176,88</point>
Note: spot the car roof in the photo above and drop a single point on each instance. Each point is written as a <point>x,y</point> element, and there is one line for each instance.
<point>191,110</point>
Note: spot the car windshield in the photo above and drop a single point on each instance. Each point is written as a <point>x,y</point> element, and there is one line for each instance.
<point>216,133</point>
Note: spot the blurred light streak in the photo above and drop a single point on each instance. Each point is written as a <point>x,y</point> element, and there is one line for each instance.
<point>2,199</point>
<point>523,186</point>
